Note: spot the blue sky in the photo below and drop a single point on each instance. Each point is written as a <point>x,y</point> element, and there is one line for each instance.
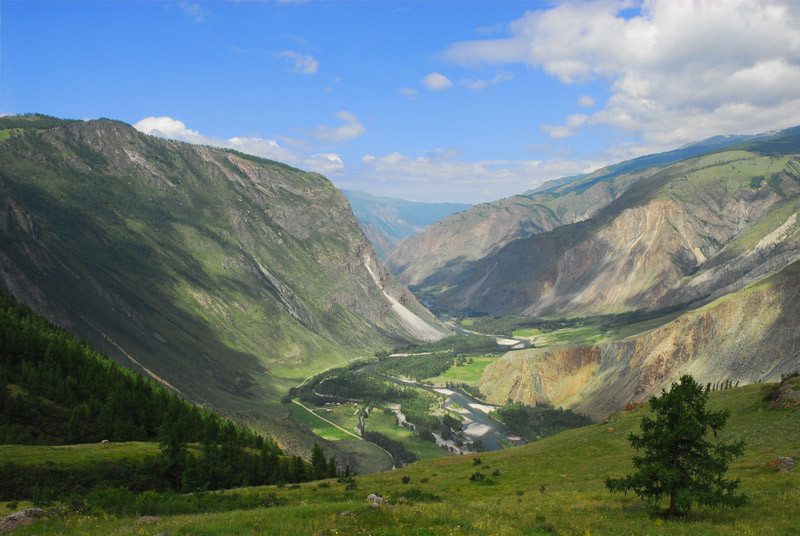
<point>428,101</point>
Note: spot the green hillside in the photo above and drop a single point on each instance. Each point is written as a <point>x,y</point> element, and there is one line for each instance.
<point>227,277</point>
<point>553,486</point>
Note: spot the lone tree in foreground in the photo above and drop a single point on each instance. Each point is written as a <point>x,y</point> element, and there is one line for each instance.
<point>677,460</point>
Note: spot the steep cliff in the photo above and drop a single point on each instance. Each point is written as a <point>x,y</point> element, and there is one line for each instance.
<point>449,251</point>
<point>692,231</point>
<point>747,336</point>
<point>225,276</point>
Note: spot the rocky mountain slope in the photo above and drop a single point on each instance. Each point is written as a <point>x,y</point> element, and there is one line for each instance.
<point>694,230</point>
<point>224,276</point>
<point>387,221</point>
<point>747,336</point>
<point>448,251</point>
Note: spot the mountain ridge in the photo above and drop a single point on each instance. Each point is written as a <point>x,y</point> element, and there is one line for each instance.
<point>449,251</point>
<point>388,220</point>
<point>226,275</point>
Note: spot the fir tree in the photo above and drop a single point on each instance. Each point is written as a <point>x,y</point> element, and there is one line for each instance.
<point>677,461</point>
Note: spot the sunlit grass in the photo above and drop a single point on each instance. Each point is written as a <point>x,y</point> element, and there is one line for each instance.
<point>552,486</point>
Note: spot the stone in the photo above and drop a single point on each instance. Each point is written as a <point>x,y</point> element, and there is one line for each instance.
<point>23,517</point>
<point>375,501</point>
<point>782,464</point>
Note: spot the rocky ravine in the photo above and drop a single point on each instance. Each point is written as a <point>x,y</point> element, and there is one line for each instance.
<point>748,336</point>
<point>447,251</point>
<point>686,233</point>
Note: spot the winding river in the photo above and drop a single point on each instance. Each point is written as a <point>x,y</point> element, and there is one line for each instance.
<point>478,425</point>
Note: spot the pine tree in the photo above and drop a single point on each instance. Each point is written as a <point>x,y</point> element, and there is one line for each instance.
<point>678,462</point>
<point>319,467</point>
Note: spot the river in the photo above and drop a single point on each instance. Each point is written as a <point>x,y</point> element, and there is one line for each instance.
<point>478,426</point>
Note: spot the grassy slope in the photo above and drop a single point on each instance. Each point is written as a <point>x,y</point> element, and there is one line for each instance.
<point>554,485</point>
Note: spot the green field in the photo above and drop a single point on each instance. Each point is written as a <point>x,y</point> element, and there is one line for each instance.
<point>386,424</point>
<point>585,334</point>
<point>71,455</point>
<point>552,486</point>
<point>468,373</point>
<point>317,425</point>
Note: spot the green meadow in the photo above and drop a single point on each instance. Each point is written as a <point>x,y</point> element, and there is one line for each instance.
<point>553,486</point>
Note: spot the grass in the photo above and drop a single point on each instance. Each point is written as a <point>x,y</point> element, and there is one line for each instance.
<point>469,373</point>
<point>584,334</point>
<point>553,486</point>
<point>317,425</point>
<point>72,455</point>
<point>386,424</point>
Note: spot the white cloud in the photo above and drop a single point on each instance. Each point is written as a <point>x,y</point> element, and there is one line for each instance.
<point>195,11</point>
<point>678,71</point>
<point>351,129</point>
<point>326,163</point>
<point>166,127</point>
<point>570,128</point>
<point>586,101</point>
<point>436,82</point>
<point>409,92</point>
<point>499,78</point>
<point>445,177</point>
<point>303,63</point>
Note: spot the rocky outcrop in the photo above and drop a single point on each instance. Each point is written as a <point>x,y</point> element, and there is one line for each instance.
<point>448,252</point>
<point>746,337</point>
<point>694,231</point>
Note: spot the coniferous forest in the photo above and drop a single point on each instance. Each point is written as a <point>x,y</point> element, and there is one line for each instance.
<point>56,390</point>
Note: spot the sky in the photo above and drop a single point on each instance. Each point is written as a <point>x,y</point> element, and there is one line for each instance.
<point>425,101</point>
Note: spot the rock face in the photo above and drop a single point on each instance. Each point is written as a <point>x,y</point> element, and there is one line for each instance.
<point>748,336</point>
<point>695,230</point>
<point>449,251</point>
<point>203,268</point>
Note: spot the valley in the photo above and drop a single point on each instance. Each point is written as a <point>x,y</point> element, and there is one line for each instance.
<point>249,287</point>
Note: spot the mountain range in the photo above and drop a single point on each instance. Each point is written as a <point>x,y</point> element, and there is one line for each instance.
<point>711,241</point>
<point>230,278</point>
<point>224,276</point>
<point>387,220</point>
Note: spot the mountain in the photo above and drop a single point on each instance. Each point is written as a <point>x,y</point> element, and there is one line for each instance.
<point>448,251</point>
<point>387,221</point>
<point>226,277</point>
<point>689,232</point>
<point>748,336</point>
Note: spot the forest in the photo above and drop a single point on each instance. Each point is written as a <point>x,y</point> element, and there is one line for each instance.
<point>535,422</point>
<point>56,390</point>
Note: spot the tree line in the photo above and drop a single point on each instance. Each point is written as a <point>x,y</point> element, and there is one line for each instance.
<point>55,390</point>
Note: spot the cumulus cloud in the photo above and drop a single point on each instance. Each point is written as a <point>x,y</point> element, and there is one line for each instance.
<point>448,178</point>
<point>351,129</point>
<point>678,71</point>
<point>586,101</point>
<point>330,164</point>
<point>570,128</point>
<point>303,63</point>
<point>436,82</point>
